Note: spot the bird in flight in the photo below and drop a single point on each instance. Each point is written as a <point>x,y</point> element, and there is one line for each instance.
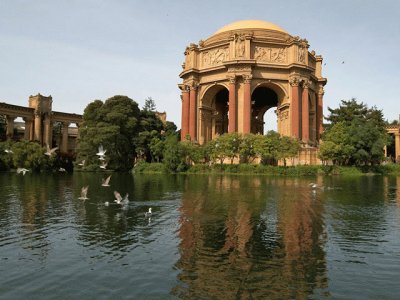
<point>49,151</point>
<point>106,181</point>
<point>103,165</point>
<point>84,191</point>
<point>148,213</point>
<point>8,151</point>
<point>82,163</point>
<point>22,170</point>
<point>101,152</point>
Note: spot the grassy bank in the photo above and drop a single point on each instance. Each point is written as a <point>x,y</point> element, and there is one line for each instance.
<point>250,169</point>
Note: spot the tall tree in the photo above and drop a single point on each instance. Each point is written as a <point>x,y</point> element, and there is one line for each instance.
<point>114,125</point>
<point>149,104</point>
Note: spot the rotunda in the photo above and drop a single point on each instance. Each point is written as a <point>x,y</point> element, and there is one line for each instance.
<point>232,78</point>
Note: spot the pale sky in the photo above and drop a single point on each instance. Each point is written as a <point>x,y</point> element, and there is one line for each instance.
<point>82,50</point>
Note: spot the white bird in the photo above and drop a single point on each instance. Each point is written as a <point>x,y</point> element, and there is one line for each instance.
<point>106,181</point>
<point>118,198</point>
<point>125,201</point>
<point>84,191</point>
<point>22,170</point>
<point>49,151</point>
<point>102,158</point>
<point>313,185</point>
<point>8,151</point>
<point>62,170</point>
<point>103,166</point>
<point>101,152</point>
<point>82,163</point>
<point>148,214</point>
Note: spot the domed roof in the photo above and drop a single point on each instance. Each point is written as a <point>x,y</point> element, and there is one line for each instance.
<point>250,24</point>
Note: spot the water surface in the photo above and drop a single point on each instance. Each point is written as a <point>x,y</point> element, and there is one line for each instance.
<point>210,237</point>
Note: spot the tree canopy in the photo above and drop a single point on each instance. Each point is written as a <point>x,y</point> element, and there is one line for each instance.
<point>356,135</point>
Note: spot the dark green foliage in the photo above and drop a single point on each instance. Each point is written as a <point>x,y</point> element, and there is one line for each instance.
<point>113,124</point>
<point>149,105</point>
<point>174,155</point>
<point>356,135</point>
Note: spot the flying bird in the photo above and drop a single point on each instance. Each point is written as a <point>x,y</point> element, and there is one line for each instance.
<point>62,170</point>
<point>22,170</point>
<point>103,165</point>
<point>106,181</point>
<point>8,151</point>
<point>82,163</point>
<point>49,151</point>
<point>101,152</point>
<point>84,191</point>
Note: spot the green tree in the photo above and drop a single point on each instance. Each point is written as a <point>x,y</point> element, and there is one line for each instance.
<point>174,155</point>
<point>149,105</point>
<point>289,148</point>
<point>355,136</point>
<point>248,147</point>
<point>113,124</point>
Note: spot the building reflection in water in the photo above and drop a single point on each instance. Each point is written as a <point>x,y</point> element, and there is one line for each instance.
<point>245,237</point>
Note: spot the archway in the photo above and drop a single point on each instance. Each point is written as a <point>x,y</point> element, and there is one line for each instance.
<point>263,99</point>
<point>214,117</point>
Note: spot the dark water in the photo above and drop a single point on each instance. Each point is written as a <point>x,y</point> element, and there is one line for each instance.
<point>210,237</point>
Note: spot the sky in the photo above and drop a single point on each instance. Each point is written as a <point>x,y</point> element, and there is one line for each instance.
<point>78,51</point>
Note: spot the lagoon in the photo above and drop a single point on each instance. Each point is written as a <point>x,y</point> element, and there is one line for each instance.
<point>209,237</point>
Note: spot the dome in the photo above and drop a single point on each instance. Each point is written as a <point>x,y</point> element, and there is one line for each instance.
<point>250,24</point>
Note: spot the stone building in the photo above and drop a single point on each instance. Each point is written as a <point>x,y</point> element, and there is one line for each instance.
<point>232,78</point>
<point>39,121</point>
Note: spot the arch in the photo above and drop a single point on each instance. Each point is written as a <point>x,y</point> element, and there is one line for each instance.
<point>264,96</point>
<point>213,112</point>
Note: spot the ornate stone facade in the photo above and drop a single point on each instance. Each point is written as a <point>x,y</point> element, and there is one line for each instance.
<point>232,78</point>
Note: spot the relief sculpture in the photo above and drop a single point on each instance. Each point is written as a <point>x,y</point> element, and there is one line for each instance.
<point>215,57</point>
<point>277,55</point>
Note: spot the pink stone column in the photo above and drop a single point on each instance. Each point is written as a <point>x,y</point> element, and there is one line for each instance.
<point>10,127</point>
<point>320,116</point>
<point>185,113</point>
<point>247,105</point>
<point>192,113</point>
<point>64,132</point>
<point>232,105</point>
<point>305,114</point>
<point>294,108</point>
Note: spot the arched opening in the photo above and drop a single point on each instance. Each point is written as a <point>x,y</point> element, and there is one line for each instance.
<point>213,113</point>
<point>391,148</point>
<point>221,111</point>
<point>262,100</point>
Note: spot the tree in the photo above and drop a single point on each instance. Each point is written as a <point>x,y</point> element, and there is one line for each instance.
<point>113,124</point>
<point>289,148</point>
<point>174,155</point>
<point>149,105</point>
<point>355,136</point>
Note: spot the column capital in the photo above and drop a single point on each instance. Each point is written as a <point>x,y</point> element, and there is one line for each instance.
<point>11,117</point>
<point>321,90</point>
<point>247,78</point>
<point>306,83</point>
<point>231,78</point>
<point>294,81</point>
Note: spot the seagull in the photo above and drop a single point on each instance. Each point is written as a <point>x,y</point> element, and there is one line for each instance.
<point>106,181</point>
<point>148,214</point>
<point>84,191</point>
<point>103,166</point>
<point>8,151</point>
<point>82,163</point>
<point>22,170</point>
<point>125,201</point>
<point>49,151</point>
<point>118,198</point>
<point>62,170</point>
<point>101,152</point>
<point>313,185</point>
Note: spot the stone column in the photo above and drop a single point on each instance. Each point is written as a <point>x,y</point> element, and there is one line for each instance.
<point>28,128</point>
<point>64,133</point>
<point>37,135</point>
<point>48,134</point>
<point>232,105</point>
<point>294,107</point>
<point>192,112</point>
<point>397,146</point>
<point>320,116</point>
<point>305,114</point>
<point>10,127</point>
<point>185,113</point>
<point>247,104</point>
